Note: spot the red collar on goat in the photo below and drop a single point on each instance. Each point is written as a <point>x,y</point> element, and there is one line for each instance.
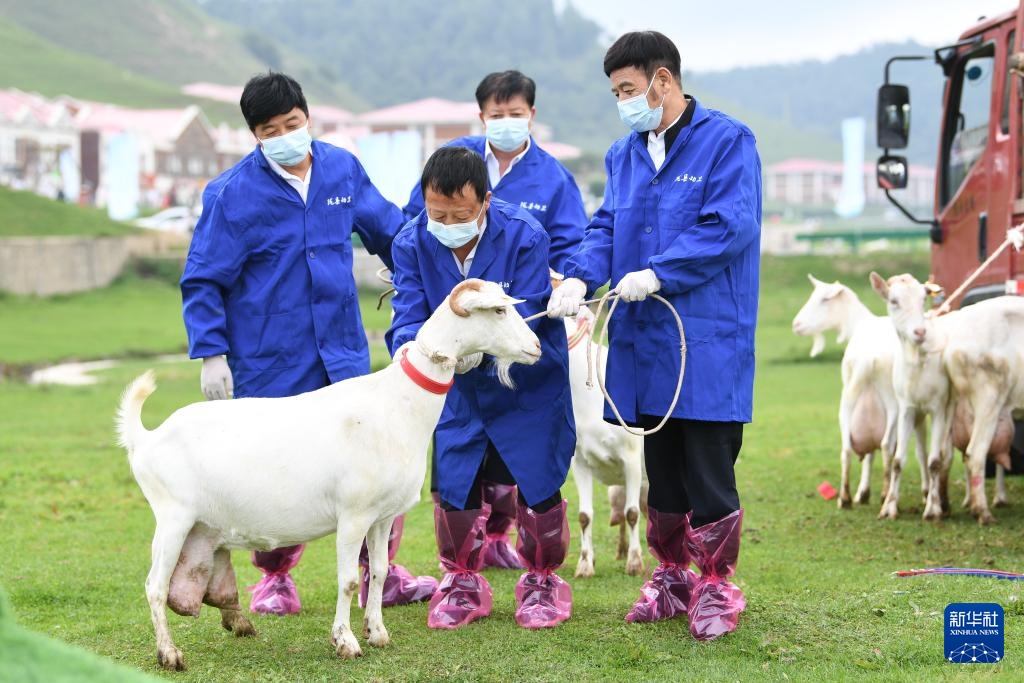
<point>421,380</point>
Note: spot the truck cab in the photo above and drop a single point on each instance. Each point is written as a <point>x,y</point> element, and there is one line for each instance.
<point>979,183</point>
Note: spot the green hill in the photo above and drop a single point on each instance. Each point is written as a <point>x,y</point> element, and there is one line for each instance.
<point>140,53</point>
<point>28,214</point>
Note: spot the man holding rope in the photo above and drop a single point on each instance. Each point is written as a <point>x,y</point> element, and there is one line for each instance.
<point>681,217</point>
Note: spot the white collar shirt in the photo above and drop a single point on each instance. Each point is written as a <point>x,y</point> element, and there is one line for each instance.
<point>494,175</point>
<point>656,144</point>
<point>464,266</point>
<point>299,184</point>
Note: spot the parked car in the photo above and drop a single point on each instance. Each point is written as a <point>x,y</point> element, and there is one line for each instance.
<point>174,219</point>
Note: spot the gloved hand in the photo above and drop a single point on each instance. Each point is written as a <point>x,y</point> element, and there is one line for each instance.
<point>215,379</point>
<point>467,363</point>
<point>638,285</point>
<point>566,299</point>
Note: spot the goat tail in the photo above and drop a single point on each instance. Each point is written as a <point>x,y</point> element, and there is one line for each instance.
<point>129,413</point>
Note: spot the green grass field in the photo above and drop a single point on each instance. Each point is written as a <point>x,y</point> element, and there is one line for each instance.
<point>28,215</point>
<point>822,602</point>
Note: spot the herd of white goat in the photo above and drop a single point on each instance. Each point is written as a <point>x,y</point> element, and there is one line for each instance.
<point>952,381</point>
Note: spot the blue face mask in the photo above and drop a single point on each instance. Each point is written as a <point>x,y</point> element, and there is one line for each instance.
<point>288,149</point>
<point>457,234</point>
<point>508,134</point>
<point>638,115</point>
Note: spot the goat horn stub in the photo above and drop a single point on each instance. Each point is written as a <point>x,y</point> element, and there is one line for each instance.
<point>472,284</point>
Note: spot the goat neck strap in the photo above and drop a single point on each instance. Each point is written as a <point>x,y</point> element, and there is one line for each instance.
<point>582,331</point>
<point>421,380</point>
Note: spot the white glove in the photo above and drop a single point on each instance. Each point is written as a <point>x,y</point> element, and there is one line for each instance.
<point>215,379</point>
<point>566,299</point>
<point>638,285</point>
<point>467,363</point>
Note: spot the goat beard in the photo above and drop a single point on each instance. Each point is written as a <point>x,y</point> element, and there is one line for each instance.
<point>503,369</point>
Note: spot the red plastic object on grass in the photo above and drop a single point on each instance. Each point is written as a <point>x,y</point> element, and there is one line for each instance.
<point>826,490</point>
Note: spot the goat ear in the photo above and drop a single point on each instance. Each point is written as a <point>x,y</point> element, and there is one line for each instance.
<point>879,285</point>
<point>510,301</point>
<point>832,291</point>
<point>933,288</point>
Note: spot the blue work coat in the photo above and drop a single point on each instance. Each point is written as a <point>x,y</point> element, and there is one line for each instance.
<point>697,223</point>
<point>540,184</point>
<point>268,279</point>
<point>532,426</point>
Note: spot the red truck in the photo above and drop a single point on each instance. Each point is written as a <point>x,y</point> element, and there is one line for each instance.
<point>979,183</point>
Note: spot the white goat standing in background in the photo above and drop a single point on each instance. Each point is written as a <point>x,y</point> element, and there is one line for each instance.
<point>980,361</point>
<point>259,473</point>
<point>605,451</point>
<point>867,407</point>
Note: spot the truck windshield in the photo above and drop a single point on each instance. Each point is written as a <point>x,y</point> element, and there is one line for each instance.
<point>967,119</point>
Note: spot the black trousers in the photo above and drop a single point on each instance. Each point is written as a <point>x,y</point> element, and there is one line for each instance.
<point>494,469</point>
<point>690,467</point>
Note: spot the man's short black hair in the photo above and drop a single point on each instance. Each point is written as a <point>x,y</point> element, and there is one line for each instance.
<point>450,169</point>
<point>268,95</point>
<point>503,86</point>
<point>647,51</point>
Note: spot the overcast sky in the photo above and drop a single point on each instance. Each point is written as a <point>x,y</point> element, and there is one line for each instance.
<point>721,34</point>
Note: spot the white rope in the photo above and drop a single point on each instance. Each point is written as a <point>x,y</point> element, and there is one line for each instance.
<point>601,303</point>
<point>1014,236</point>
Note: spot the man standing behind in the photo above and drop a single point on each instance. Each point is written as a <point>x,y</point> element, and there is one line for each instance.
<point>520,173</point>
<point>268,281</point>
<point>681,216</point>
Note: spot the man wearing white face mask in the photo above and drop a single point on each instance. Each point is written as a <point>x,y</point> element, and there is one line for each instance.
<point>268,296</point>
<point>681,217</point>
<point>520,173</point>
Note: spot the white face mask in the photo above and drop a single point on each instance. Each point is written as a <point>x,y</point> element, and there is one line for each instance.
<point>638,115</point>
<point>454,235</point>
<point>508,134</point>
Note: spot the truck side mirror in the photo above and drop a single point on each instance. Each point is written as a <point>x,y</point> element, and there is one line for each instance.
<point>893,116</point>
<point>891,172</point>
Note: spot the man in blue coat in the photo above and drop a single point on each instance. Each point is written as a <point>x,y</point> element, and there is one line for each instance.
<point>268,280</point>
<point>487,429</point>
<point>519,172</point>
<point>681,217</point>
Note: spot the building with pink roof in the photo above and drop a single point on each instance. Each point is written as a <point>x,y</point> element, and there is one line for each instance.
<point>33,133</point>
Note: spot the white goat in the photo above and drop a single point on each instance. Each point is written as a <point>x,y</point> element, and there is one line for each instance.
<point>969,356</point>
<point>270,472</point>
<point>868,405</point>
<point>605,451</point>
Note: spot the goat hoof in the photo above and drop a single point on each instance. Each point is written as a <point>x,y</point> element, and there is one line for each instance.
<point>845,503</point>
<point>584,569</point>
<point>888,512</point>
<point>635,568</point>
<point>1001,503</point>
<point>862,498</point>
<point>171,658</point>
<point>348,648</point>
<point>379,637</point>
<point>985,518</point>
<point>243,628</point>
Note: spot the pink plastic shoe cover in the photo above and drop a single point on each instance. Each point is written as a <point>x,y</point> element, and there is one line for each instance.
<point>275,593</point>
<point>543,598</point>
<point>463,595</point>
<point>502,499</point>
<point>667,593</point>
<point>716,603</point>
